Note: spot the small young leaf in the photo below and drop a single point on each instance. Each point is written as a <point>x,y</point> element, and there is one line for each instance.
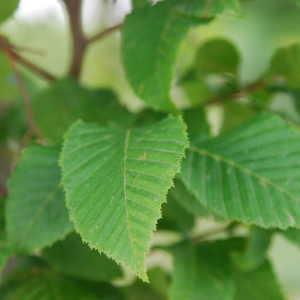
<point>115,182</point>
<point>285,64</point>
<point>207,8</point>
<point>36,213</point>
<point>250,173</point>
<point>217,56</point>
<point>57,107</point>
<point>258,284</point>
<point>201,272</point>
<point>149,54</point>
<point>76,259</point>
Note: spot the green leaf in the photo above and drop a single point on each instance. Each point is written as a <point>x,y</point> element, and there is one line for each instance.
<point>44,284</point>
<point>293,234</point>
<point>76,259</point>
<point>285,65</point>
<point>208,8</point>
<point>139,3</point>
<point>149,54</point>
<point>155,290</point>
<point>255,253</point>
<point>7,82</point>
<point>7,8</point>
<point>115,182</point>
<point>196,122</point>
<point>174,216</point>
<point>258,284</point>
<point>57,107</point>
<point>36,213</point>
<point>249,174</point>
<point>201,272</point>
<point>236,114</point>
<point>5,250</point>
<point>187,200</point>
<point>217,56</point>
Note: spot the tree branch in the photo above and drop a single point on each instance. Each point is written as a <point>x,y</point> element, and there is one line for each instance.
<point>260,84</point>
<point>104,32</point>
<point>32,128</point>
<point>79,41</point>
<point>16,57</point>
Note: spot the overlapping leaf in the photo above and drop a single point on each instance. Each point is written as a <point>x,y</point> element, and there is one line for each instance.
<point>115,182</point>
<point>49,285</point>
<point>57,107</point>
<point>260,283</point>
<point>250,174</point>
<point>36,213</point>
<point>5,250</point>
<point>76,259</point>
<point>201,272</point>
<point>208,8</point>
<point>149,54</point>
<point>285,64</point>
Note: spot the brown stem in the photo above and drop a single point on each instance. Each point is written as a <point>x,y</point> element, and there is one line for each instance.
<point>214,231</point>
<point>16,57</point>
<point>79,41</point>
<point>32,128</point>
<point>233,96</point>
<point>104,32</point>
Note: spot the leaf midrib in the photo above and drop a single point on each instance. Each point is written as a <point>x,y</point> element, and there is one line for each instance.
<point>127,136</point>
<point>232,163</point>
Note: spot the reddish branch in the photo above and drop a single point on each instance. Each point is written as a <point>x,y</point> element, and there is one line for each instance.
<point>80,42</point>
<point>32,128</point>
<point>16,57</point>
<point>260,84</point>
<point>104,32</point>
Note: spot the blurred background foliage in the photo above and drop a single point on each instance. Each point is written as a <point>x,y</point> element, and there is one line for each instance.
<point>41,29</point>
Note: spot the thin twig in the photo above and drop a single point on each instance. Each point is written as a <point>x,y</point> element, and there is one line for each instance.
<point>214,231</point>
<point>260,84</point>
<point>104,32</point>
<point>16,57</point>
<point>79,41</point>
<point>32,128</point>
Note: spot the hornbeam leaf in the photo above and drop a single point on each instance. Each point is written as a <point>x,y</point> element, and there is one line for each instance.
<point>7,8</point>
<point>260,283</point>
<point>36,213</point>
<point>250,174</point>
<point>43,284</point>
<point>208,8</point>
<point>201,272</point>
<point>115,182</point>
<point>149,54</point>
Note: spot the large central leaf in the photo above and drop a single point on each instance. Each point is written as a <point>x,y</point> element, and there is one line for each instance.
<point>250,174</point>
<point>115,182</point>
